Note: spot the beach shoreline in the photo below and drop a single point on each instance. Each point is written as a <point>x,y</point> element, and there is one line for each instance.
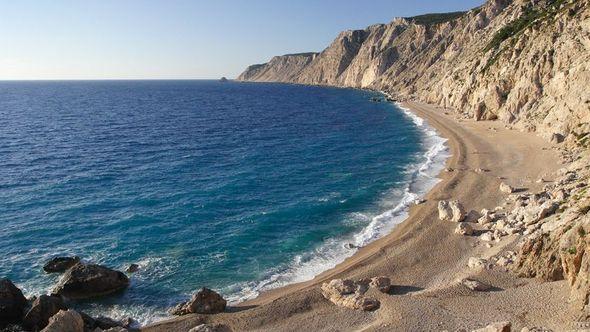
<point>422,255</point>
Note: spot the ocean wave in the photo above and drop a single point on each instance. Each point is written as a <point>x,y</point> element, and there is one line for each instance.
<point>304,267</point>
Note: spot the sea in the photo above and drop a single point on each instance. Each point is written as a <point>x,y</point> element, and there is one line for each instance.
<point>239,187</point>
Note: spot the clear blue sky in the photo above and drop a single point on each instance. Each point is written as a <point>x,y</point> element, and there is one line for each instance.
<point>103,39</point>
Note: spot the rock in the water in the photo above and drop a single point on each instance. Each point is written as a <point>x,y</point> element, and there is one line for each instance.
<point>496,327</point>
<point>464,228</point>
<point>347,293</point>
<point>205,301</point>
<point>65,321</point>
<point>506,188</point>
<point>133,268</point>
<point>43,308</point>
<point>383,284</point>
<point>90,280</point>
<point>60,264</point>
<point>12,302</point>
<point>475,285</point>
<point>452,211</point>
<point>210,328</point>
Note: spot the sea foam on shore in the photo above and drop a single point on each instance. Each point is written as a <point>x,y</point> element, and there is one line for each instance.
<point>421,177</point>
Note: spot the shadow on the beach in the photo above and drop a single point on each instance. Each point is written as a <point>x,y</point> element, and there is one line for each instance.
<point>519,190</point>
<point>240,308</point>
<point>403,290</point>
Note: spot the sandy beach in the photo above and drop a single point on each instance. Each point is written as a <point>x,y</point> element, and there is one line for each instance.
<point>424,257</point>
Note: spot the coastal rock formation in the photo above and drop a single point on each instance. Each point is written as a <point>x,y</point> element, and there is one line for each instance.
<point>525,63</point>
<point>65,321</point>
<point>350,294</point>
<point>452,211</point>
<point>60,264</point>
<point>205,301</point>
<point>574,249</point>
<point>12,302</point>
<point>90,280</point>
<point>43,308</point>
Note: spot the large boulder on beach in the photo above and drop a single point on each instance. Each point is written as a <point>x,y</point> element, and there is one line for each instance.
<point>65,321</point>
<point>12,302</point>
<point>451,211</point>
<point>205,301</point>
<point>348,294</point>
<point>90,280</point>
<point>43,308</point>
<point>60,264</point>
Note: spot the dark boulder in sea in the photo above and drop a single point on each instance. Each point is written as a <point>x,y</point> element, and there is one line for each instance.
<point>133,268</point>
<point>223,79</point>
<point>60,264</point>
<point>12,302</point>
<point>84,281</point>
<point>205,301</point>
<point>43,308</point>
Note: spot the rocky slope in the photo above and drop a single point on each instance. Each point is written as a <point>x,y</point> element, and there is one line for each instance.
<point>524,62</point>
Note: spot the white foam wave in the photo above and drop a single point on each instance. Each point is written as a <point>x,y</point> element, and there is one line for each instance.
<point>421,177</point>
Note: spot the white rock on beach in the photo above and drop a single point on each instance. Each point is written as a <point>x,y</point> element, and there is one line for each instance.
<point>506,188</point>
<point>451,211</point>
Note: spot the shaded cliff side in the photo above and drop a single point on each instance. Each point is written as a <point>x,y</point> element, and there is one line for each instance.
<point>524,62</point>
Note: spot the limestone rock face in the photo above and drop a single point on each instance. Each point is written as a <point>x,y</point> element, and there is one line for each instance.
<point>65,321</point>
<point>533,80</point>
<point>539,258</point>
<point>12,302</point>
<point>575,258</point>
<point>90,280</point>
<point>205,301</point>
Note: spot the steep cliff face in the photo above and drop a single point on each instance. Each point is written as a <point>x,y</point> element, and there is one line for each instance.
<point>285,68</point>
<point>525,62</point>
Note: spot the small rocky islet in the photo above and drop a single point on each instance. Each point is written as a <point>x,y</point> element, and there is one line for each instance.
<point>85,281</point>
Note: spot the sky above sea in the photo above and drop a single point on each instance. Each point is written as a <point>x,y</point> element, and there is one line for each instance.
<point>111,39</point>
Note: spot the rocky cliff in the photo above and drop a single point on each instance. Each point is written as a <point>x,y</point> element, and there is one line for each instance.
<point>525,62</point>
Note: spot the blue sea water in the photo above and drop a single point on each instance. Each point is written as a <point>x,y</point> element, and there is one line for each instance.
<point>235,186</point>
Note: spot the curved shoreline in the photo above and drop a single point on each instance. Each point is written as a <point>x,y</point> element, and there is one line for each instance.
<point>425,174</point>
<point>422,255</point>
